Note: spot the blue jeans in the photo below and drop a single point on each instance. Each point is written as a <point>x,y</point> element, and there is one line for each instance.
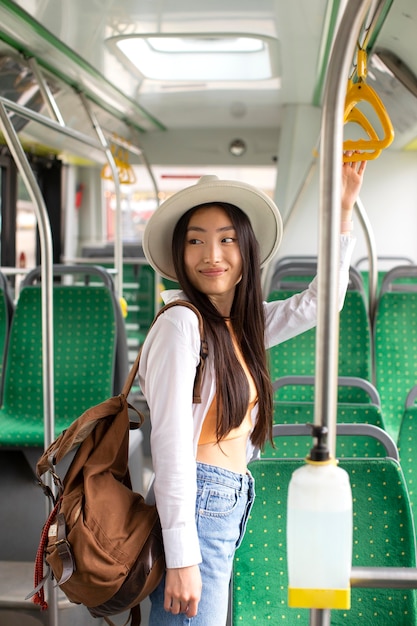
<point>224,501</point>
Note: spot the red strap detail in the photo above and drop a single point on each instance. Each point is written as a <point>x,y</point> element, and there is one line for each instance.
<point>39,597</point>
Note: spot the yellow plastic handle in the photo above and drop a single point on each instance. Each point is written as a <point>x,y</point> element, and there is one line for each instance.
<point>123,306</point>
<point>124,169</point>
<point>356,116</point>
<point>126,173</point>
<point>369,148</point>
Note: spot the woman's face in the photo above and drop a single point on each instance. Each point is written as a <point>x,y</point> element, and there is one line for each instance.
<point>212,257</point>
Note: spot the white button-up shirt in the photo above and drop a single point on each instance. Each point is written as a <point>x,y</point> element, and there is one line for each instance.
<point>167,370</point>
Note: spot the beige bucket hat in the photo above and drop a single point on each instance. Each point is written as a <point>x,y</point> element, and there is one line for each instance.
<point>262,211</point>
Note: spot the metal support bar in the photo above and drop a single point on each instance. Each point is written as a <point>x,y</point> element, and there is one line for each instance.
<point>150,172</point>
<point>47,303</point>
<point>121,142</point>
<point>361,430</point>
<point>134,149</point>
<point>319,617</point>
<point>118,242</point>
<point>371,245</point>
<point>46,256</point>
<point>47,95</point>
<point>329,217</point>
<point>33,116</point>
<point>384,577</point>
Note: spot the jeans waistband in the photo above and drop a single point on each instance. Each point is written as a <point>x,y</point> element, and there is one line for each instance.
<point>221,476</point>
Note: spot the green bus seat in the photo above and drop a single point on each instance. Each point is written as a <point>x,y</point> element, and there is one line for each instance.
<point>347,446</point>
<point>407,448</point>
<point>294,388</point>
<point>85,334</point>
<point>6,315</point>
<point>296,356</point>
<point>395,342</point>
<point>139,292</point>
<point>383,536</point>
<point>384,265</point>
<point>296,272</point>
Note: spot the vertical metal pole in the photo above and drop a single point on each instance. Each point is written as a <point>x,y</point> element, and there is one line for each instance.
<point>371,245</point>
<point>327,342</point>
<point>152,177</point>
<point>46,270</point>
<point>329,219</point>
<point>47,304</point>
<point>320,617</point>
<point>118,243</point>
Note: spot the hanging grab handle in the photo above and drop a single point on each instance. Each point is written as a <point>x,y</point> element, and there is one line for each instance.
<point>124,169</point>
<point>371,148</point>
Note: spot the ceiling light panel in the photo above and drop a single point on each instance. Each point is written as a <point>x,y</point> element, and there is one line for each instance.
<point>201,57</point>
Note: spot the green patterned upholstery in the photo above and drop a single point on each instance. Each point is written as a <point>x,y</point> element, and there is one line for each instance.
<point>6,315</point>
<point>365,278</point>
<point>297,355</point>
<point>84,355</point>
<point>383,535</point>
<point>139,292</point>
<point>407,448</point>
<point>346,446</point>
<point>395,341</point>
<point>395,354</point>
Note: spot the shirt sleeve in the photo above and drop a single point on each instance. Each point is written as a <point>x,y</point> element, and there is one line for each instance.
<point>285,319</point>
<point>167,371</point>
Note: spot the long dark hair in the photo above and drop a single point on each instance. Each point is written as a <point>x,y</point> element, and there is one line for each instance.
<point>248,322</point>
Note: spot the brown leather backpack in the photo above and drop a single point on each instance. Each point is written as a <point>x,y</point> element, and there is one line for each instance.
<point>102,542</point>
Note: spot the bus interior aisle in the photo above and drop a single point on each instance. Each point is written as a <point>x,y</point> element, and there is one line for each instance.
<point>108,108</point>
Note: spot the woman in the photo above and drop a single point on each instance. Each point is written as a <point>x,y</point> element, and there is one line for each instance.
<point>213,238</point>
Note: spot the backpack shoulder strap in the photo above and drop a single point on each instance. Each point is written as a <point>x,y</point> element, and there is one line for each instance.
<point>203,352</point>
<point>203,345</point>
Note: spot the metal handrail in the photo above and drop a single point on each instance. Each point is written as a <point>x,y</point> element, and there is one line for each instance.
<point>364,430</point>
<point>372,255</point>
<point>329,217</point>
<point>47,95</point>
<point>33,116</point>
<point>47,257</point>
<point>118,244</point>
<point>325,406</point>
<point>46,298</point>
<point>384,577</point>
<point>46,248</point>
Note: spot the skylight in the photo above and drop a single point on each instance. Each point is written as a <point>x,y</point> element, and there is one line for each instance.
<point>204,44</point>
<point>200,57</point>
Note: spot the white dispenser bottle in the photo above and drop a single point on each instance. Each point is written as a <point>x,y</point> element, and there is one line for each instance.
<point>319,532</point>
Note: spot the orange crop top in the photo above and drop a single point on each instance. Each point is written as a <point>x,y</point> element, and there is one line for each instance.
<point>208,431</point>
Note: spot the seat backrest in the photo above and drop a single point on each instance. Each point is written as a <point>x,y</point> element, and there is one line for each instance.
<point>354,388</point>
<point>139,292</point>
<point>395,353</point>
<point>400,278</point>
<point>139,295</point>
<point>6,316</point>
<point>296,272</point>
<point>407,448</point>
<point>383,536</point>
<point>384,265</point>
<point>296,356</point>
<point>97,276</point>
<point>354,445</point>
<point>84,360</point>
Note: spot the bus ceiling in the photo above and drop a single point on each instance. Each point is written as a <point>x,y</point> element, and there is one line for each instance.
<point>67,72</point>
